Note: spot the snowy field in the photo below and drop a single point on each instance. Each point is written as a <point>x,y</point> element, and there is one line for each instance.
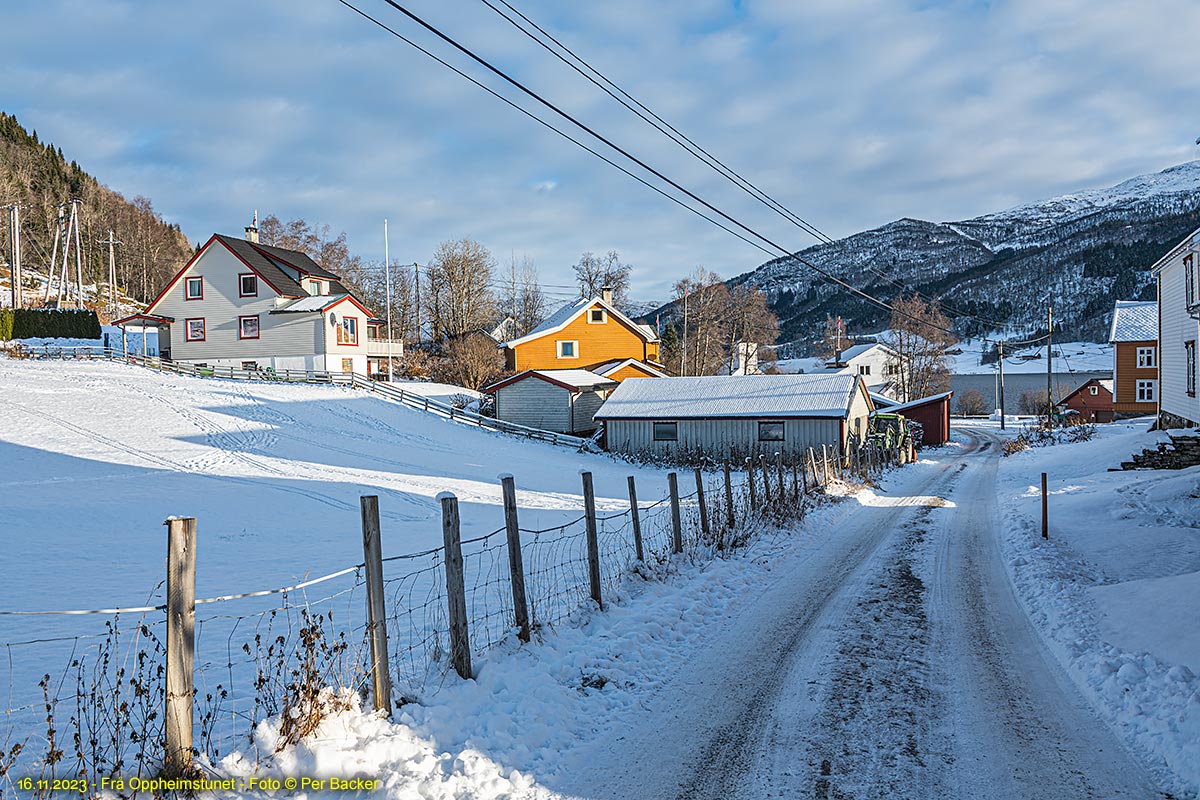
<point>1069,357</point>
<point>97,455</point>
<point>1116,589</point>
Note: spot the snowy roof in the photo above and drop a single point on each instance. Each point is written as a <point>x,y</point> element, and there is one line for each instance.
<point>1134,321</point>
<point>316,302</point>
<point>732,396</point>
<point>568,312</point>
<point>580,379</point>
<point>858,350</point>
<point>896,408</point>
<point>609,367</point>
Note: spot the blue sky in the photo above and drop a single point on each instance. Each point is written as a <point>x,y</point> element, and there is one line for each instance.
<point>851,112</point>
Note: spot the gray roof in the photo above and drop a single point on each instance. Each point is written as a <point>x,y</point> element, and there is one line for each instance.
<point>296,260</point>
<point>264,266</point>
<point>720,396</point>
<point>1134,321</point>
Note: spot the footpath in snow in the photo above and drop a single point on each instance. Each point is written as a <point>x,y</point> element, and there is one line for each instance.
<point>1116,588</point>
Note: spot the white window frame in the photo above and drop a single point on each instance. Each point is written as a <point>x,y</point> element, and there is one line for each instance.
<point>242,284</point>
<point>242,329</point>
<point>603,316</point>
<point>1093,390</point>
<point>315,288</point>
<point>187,330</point>
<point>1189,280</point>
<point>1147,357</point>
<point>864,369</point>
<point>1146,391</point>
<point>674,437</point>
<point>558,348</point>
<point>1189,361</point>
<point>187,288</point>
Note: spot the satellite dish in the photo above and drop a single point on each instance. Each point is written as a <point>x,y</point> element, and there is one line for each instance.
<point>333,319</point>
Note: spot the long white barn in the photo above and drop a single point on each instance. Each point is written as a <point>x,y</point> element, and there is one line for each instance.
<point>239,303</point>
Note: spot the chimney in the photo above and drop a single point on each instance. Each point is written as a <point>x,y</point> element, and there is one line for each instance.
<point>252,230</point>
<point>606,294</point>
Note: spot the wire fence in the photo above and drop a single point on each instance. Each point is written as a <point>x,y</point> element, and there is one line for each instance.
<point>275,650</point>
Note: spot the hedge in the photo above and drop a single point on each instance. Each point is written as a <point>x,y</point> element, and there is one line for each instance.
<point>34,323</point>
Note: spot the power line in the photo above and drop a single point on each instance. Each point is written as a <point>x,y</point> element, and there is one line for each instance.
<point>670,131</point>
<point>551,106</point>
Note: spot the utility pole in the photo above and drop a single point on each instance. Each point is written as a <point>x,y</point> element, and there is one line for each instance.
<point>1049,368</point>
<point>112,270</point>
<point>78,255</point>
<point>1001,346</point>
<point>683,363</point>
<point>14,243</point>
<point>387,279</point>
<point>417,291</point>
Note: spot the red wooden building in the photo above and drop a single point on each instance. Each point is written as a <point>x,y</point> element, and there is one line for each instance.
<point>933,414</point>
<point>1093,401</point>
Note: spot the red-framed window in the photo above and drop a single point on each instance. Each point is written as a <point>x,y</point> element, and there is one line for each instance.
<point>193,329</point>
<point>247,285</point>
<point>193,288</point>
<point>248,327</point>
<point>347,331</point>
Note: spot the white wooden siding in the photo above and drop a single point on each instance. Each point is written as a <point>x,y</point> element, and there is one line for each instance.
<point>536,404</point>
<point>1177,328</point>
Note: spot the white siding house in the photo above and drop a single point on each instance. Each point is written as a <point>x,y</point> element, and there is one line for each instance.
<point>1178,274</point>
<point>733,416</point>
<point>874,362</point>
<point>242,304</point>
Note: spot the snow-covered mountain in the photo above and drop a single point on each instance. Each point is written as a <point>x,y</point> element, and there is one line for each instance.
<point>1079,251</point>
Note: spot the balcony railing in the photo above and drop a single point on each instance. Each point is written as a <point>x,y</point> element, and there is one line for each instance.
<point>379,347</point>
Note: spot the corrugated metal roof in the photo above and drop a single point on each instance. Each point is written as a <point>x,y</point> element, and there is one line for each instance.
<point>1134,321</point>
<point>579,378</point>
<point>316,302</point>
<point>896,408</point>
<point>732,396</point>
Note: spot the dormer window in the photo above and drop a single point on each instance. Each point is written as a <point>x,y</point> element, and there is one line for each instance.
<point>193,289</point>
<point>314,288</point>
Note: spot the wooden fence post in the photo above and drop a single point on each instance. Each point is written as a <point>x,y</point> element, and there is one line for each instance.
<point>1045,511</point>
<point>456,589</point>
<point>181,644</point>
<point>728,497</point>
<point>516,563</point>
<point>381,678</point>
<point>779,471</point>
<point>635,516</point>
<point>812,465</point>
<point>593,542</point>
<point>704,529</point>
<point>762,463</point>
<point>825,464</point>
<point>795,482</point>
<point>750,483</point>
<point>676,522</point>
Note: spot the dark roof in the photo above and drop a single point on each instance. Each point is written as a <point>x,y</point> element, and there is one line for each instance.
<point>296,260</point>
<point>264,266</point>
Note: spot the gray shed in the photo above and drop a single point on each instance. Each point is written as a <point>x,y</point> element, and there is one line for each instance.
<point>558,400</point>
<point>725,416</point>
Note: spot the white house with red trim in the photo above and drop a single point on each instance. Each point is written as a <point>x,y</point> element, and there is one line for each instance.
<point>242,304</point>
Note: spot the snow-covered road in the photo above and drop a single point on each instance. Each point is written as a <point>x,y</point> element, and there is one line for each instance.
<point>893,660</point>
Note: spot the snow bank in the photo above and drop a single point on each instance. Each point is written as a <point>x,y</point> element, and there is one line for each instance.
<point>1116,589</point>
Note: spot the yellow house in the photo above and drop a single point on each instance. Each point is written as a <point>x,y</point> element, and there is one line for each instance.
<point>588,334</point>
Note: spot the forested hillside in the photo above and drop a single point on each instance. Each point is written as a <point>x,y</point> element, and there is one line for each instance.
<point>38,176</point>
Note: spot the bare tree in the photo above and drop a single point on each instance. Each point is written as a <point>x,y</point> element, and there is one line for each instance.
<point>597,272</point>
<point>710,320</point>
<point>457,296</point>
<point>920,339</point>
<point>750,321</point>
<point>972,403</point>
<point>471,360</point>
<point>522,297</point>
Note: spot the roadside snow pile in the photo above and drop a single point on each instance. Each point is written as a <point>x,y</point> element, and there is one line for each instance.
<point>1116,589</point>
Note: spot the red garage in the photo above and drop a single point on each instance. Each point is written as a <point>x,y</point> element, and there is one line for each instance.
<point>932,413</point>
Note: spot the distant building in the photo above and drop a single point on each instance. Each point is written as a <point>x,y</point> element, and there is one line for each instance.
<point>730,416</point>
<point>1178,334</point>
<point>874,362</point>
<point>559,400</point>
<point>242,304</point>
<point>1093,401</point>
<point>583,334</point>
<point>1134,336</point>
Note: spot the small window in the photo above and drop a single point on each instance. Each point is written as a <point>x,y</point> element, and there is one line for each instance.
<point>666,431</point>
<point>314,287</point>
<point>193,330</point>
<point>568,349</point>
<point>1147,391</point>
<point>770,431</point>
<point>248,327</point>
<point>194,289</point>
<point>1189,362</point>
<point>250,366</point>
<point>1189,281</point>
<point>1145,357</point>
<point>864,369</point>
<point>347,331</point>
<point>347,365</point>
<point>597,316</point>
<point>248,285</point>
<point>1094,390</point>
